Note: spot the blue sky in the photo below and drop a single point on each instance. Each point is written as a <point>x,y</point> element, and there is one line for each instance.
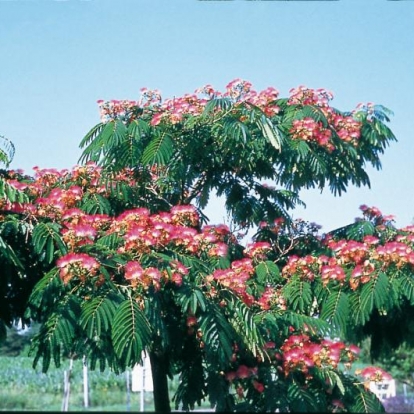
<point>59,57</point>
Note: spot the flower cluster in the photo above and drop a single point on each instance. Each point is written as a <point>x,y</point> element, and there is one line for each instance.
<point>185,215</point>
<point>350,251</point>
<point>57,201</point>
<point>137,275</point>
<point>367,108</point>
<point>244,372</point>
<point>174,110</point>
<point>79,265</point>
<point>57,195</point>
<point>87,175</point>
<point>143,232</point>
<point>347,128</point>
<point>374,374</point>
<point>272,298</point>
<point>48,177</point>
<point>306,96</point>
<point>76,235</point>
<point>300,353</point>
<point>367,258</point>
<point>375,215</point>
<point>307,129</point>
<point>57,191</point>
<point>257,250</point>
<point>306,267</point>
<point>116,109</point>
<point>235,278</point>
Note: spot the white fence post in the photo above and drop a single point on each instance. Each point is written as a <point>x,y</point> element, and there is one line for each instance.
<point>85,383</point>
<point>66,386</point>
<point>142,380</point>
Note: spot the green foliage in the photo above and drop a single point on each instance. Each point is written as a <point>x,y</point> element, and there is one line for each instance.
<point>245,146</point>
<point>59,332</point>
<point>98,312</point>
<point>16,342</point>
<point>130,333</point>
<point>44,238</point>
<point>159,150</point>
<point>191,300</point>
<point>336,310</point>
<point>298,294</point>
<point>96,204</point>
<point>219,336</point>
<point>7,151</point>
<point>363,402</point>
<point>302,400</point>
<point>243,322</point>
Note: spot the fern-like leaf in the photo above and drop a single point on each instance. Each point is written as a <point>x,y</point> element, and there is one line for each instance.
<point>95,204</point>
<point>159,150</point>
<point>8,252</point>
<point>365,402</point>
<point>45,235</point>
<point>301,399</point>
<point>91,135</point>
<point>243,322</point>
<point>267,271</point>
<point>190,299</point>
<point>7,151</point>
<point>130,333</point>
<point>406,281</point>
<point>97,314</point>
<point>57,333</point>
<point>298,321</point>
<point>373,294</point>
<point>221,104</point>
<point>270,131</point>
<point>298,294</point>
<point>218,335</point>
<point>11,194</point>
<point>335,309</point>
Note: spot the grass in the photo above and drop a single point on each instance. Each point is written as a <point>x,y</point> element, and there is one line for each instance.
<point>23,388</point>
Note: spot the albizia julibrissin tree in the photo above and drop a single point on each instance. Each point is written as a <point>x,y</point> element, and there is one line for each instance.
<point>116,257</point>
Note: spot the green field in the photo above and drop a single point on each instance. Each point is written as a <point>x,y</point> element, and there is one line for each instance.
<point>23,388</point>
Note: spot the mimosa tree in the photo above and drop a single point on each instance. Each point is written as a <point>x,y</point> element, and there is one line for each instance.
<point>125,262</point>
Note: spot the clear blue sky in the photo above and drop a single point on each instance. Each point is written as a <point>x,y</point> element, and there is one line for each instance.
<point>59,57</point>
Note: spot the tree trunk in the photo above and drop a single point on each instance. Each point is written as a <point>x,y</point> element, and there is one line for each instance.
<point>160,381</point>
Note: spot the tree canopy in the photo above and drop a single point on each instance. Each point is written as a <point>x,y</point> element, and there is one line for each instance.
<point>232,142</point>
<point>116,256</point>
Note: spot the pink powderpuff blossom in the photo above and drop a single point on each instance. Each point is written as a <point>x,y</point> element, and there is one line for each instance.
<point>257,250</point>
<point>133,270</point>
<point>76,264</point>
<point>375,374</point>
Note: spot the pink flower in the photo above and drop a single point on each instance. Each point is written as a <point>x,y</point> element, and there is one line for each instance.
<point>76,264</point>
<point>258,386</point>
<point>231,376</point>
<point>243,372</point>
<point>257,250</point>
<point>374,374</point>
<point>133,270</point>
